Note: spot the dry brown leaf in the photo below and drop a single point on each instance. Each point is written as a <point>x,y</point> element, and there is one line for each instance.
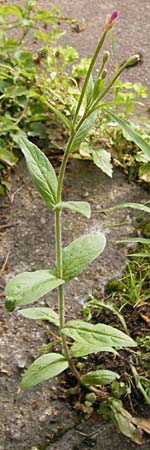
<point>144,423</point>
<point>146,318</point>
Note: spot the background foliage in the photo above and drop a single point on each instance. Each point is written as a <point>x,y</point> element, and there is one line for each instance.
<point>35,82</point>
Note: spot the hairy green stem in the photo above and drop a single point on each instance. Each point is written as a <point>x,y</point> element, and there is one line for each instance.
<point>59,264</point>
<point>97,50</point>
<point>110,84</point>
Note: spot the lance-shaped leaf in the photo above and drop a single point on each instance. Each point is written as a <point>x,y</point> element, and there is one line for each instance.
<point>95,338</point>
<point>138,206</point>
<point>41,171</point>
<point>83,348</point>
<point>42,369</point>
<point>89,90</point>
<point>102,159</point>
<point>80,207</point>
<point>135,137</point>
<point>41,314</point>
<point>82,132</point>
<point>140,255</point>
<point>135,240</point>
<point>99,377</point>
<point>127,424</point>
<point>80,253</point>
<point>28,287</point>
<point>58,113</point>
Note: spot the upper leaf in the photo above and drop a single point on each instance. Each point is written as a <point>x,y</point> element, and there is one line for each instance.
<point>102,159</point>
<point>100,377</point>
<point>136,138</point>
<point>82,132</point>
<point>41,171</point>
<point>41,314</point>
<point>94,338</point>
<point>28,287</point>
<point>89,90</point>
<point>80,207</point>
<point>43,368</point>
<point>80,253</point>
<point>59,114</point>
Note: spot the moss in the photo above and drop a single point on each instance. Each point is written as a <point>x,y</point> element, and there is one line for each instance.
<point>144,227</point>
<point>114,286</point>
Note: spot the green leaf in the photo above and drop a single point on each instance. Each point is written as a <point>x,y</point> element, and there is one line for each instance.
<point>99,377</point>
<point>41,171</point>
<point>80,207</point>
<point>42,369</point>
<point>83,348</point>
<point>144,172</point>
<point>89,90</point>
<point>7,157</point>
<point>136,138</point>
<point>45,15</point>
<point>58,113</point>
<point>28,287</point>
<point>141,157</point>
<point>140,255</point>
<point>41,314</point>
<point>7,184</point>
<point>1,190</point>
<point>82,132</point>
<point>16,91</point>
<point>80,253</point>
<point>95,338</point>
<point>102,159</point>
<point>10,305</point>
<point>99,84</point>
<point>11,9</point>
<point>127,205</point>
<point>134,240</point>
<point>126,423</point>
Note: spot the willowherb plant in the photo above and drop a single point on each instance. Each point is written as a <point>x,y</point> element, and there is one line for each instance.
<point>28,287</point>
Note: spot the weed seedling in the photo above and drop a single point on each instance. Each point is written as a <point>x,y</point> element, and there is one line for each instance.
<point>28,287</point>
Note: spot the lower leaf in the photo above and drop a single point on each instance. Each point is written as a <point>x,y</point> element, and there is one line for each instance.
<point>99,377</point>
<point>91,338</point>
<point>126,423</point>
<point>83,348</point>
<point>28,287</point>
<point>44,368</point>
<point>41,314</point>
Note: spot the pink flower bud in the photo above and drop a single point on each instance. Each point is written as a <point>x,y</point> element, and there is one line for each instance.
<point>113,17</point>
<point>111,20</point>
